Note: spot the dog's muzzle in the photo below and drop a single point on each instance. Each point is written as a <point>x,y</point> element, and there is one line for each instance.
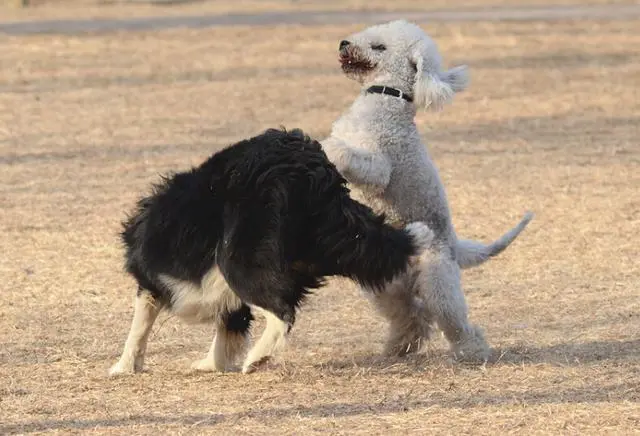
<point>352,59</point>
<point>343,45</point>
<point>343,51</point>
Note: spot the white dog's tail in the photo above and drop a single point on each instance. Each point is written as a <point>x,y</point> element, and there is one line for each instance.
<point>472,253</point>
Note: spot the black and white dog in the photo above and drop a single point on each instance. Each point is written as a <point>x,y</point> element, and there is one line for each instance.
<point>258,225</point>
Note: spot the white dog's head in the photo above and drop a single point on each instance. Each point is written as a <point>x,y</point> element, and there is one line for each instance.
<point>401,55</point>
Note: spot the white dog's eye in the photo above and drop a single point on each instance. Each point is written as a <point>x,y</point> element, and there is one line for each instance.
<point>378,47</point>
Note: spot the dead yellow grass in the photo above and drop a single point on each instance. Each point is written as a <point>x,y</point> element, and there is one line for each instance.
<point>60,9</point>
<point>550,123</point>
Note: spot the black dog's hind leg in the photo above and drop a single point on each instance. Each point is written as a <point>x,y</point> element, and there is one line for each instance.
<point>272,340</point>
<point>271,286</point>
<point>229,342</point>
<point>275,294</point>
<point>252,260</point>
<point>145,312</point>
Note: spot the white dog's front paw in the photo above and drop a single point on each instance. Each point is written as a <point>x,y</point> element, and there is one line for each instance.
<point>339,154</point>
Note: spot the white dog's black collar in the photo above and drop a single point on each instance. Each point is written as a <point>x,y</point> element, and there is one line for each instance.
<point>389,91</point>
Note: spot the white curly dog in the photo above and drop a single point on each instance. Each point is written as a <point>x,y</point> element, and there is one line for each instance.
<point>377,147</point>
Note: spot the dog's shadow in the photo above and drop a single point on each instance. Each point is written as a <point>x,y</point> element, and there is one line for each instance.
<point>564,354</point>
<point>569,354</point>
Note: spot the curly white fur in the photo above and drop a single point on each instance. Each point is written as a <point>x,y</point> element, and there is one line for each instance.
<point>377,147</point>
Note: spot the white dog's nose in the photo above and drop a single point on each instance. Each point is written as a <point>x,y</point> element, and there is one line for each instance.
<point>343,44</point>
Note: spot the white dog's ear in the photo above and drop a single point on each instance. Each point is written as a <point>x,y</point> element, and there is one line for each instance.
<point>434,88</point>
<point>457,78</point>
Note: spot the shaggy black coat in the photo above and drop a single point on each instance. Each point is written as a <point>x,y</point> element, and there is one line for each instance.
<point>274,215</point>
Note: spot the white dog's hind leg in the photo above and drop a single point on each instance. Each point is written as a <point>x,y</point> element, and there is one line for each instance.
<point>273,338</point>
<point>439,281</point>
<point>145,312</point>
<point>410,323</point>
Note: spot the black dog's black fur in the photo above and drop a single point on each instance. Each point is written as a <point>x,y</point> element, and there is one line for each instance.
<point>274,215</point>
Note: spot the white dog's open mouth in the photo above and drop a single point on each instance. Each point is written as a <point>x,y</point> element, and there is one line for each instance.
<point>352,63</point>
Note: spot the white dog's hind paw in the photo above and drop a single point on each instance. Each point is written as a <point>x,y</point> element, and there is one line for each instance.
<point>473,348</point>
<point>403,347</point>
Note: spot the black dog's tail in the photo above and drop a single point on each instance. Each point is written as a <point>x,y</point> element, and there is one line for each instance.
<point>360,245</point>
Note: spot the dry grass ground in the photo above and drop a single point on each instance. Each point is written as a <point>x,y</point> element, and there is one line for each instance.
<point>52,9</point>
<point>550,123</point>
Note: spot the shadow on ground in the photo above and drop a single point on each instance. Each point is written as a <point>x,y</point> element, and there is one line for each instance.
<point>565,354</point>
<point>401,404</point>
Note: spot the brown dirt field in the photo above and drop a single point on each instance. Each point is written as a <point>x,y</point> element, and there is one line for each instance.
<point>550,123</point>
<point>59,9</point>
